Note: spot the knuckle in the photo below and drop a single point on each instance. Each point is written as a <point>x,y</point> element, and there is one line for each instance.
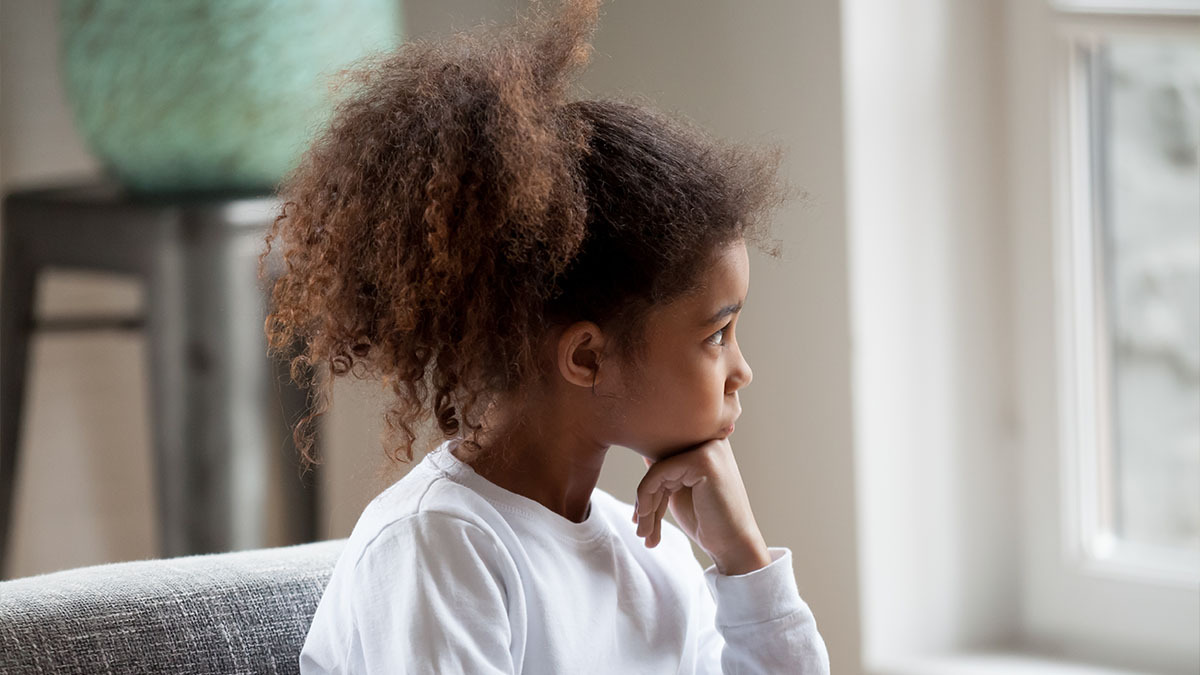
<point>645,494</point>
<point>710,457</point>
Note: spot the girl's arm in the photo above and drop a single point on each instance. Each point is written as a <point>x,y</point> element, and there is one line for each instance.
<point>753,616</point>
<point>758,623</point>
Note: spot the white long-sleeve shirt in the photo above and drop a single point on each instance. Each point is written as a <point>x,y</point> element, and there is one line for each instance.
<point>446,572</point>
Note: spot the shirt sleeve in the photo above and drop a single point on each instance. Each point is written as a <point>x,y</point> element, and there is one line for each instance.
<point>429,597</point>
<point>759,623</point>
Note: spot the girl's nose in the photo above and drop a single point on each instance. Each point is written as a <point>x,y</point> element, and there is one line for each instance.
<point>741,375</point>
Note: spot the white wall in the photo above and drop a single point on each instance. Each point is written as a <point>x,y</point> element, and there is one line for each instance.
<point>771,70</point>
<point>933,358</point>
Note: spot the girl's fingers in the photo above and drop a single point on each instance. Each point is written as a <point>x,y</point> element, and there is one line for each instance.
<point>661,513</point>
<point>670,475</point>
<point>646,513</point>
<point>645,521</point>
<point>661,498</point>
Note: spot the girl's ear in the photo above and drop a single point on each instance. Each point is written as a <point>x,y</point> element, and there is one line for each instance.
<point>580,352</point>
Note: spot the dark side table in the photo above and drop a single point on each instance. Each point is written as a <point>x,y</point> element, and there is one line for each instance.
<point>219,407</point>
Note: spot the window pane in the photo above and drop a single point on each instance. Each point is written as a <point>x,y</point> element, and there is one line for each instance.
<point>1148,137</point>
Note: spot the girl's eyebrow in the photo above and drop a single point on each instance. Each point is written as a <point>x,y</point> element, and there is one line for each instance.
<point>724,312</point>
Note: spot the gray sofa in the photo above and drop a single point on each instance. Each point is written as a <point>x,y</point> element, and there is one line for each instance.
<point>243,612</point>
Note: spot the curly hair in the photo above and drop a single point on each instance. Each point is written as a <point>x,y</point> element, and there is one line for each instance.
<point>458,207</point>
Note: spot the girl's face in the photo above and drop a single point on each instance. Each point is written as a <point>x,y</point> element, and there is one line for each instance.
<point>684,391</point>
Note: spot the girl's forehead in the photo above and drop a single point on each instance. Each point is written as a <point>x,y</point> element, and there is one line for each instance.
<point>721,291</point>
<point>725,283</point>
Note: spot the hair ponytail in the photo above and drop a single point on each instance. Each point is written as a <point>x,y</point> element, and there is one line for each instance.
<point>457,205</point>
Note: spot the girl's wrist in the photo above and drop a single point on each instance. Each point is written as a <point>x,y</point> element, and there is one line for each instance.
<point>745,559</point>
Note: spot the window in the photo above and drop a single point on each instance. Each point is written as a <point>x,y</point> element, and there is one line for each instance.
<point>986,360</point>
<point>1143,137</point>
<point>1118,577</point>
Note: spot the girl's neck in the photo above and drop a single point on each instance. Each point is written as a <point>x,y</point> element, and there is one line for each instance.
<point>551,459</point>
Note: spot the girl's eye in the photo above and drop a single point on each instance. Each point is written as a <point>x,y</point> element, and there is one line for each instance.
<point>718,338</point>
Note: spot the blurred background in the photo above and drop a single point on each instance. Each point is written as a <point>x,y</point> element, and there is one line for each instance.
<point>975,417</point>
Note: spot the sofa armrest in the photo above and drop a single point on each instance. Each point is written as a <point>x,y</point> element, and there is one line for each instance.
<point>241,612</point>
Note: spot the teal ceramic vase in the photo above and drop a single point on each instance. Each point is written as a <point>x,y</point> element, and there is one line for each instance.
<point>199,95</point>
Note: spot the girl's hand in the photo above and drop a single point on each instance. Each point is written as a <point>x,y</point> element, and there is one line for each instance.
<point>703,487</point>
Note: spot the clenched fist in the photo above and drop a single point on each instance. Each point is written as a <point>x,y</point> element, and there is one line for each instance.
<point>703,488</point>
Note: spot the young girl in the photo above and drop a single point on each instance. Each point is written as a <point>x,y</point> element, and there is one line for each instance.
<point>543,279</point>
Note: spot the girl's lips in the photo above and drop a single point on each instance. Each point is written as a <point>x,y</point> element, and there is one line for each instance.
<point>728,430</point>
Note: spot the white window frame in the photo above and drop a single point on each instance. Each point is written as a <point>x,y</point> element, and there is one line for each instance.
<point>1116,606</point>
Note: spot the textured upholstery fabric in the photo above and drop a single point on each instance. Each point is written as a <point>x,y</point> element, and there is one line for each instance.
<point>243,612</point>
